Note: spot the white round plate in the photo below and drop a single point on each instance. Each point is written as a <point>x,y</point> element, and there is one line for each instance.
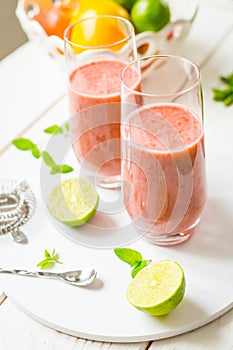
<point>101,311</point>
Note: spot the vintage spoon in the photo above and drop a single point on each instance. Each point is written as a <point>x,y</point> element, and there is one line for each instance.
<point>82,277</point>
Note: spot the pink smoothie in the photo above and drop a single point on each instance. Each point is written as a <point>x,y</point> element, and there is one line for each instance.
<point>94,95</point>
<point>164,168</point>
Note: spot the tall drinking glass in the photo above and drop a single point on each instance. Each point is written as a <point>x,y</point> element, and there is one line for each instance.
<point>163,165</point>
<point>96,50</point>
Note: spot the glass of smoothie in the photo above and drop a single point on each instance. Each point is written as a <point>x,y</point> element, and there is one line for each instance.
<point>163,155</point>
<point>96,50</point>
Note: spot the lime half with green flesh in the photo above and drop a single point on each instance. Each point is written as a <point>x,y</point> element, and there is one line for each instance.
<point>158,288</point>
<point>74,201</point>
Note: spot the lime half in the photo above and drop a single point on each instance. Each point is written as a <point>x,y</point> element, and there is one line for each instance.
<point>158,288</point>
<point>74,201</point>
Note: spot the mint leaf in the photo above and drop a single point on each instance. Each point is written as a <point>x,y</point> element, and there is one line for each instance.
<point>56,169</point>
<point>67,127</point>
<point>53,129</point>
<point>139,267</point>
<point>23,144</point>
<point>130,256</point>
<point>133,258</point>
<point>50,260</point>
<point>66,169</point>
<point>224,95</point>
<point>48,159</point>
<point>227,80</point>
<point>36,152</point>
<point>61,169</point>
<point>46,254</point>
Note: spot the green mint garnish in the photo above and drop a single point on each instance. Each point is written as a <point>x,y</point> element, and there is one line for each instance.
<point>50,260</point>
<point>225,95</point>
<point>24,144</point>
<point>53,129</point>
<point>56,129</point>
<point>55,168</point>
<point>133,258</point>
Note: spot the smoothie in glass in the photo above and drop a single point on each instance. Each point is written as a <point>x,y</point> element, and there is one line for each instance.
<point>94,99</point>
<point>164,169</point>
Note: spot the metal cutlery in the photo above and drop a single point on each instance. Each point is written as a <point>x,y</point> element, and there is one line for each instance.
<point>81,277</point>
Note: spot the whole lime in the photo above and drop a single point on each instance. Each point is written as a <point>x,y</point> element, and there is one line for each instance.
<point>150,15</point>
<point>127,4</point>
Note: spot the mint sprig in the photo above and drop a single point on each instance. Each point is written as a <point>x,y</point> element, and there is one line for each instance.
<point>24,144</point>
<point>133,258</point>
<point>225,95</point>
<point>56,129</point>
<point>50,260</point>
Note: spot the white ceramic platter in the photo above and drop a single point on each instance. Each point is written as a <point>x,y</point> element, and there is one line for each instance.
<point>101,311</point>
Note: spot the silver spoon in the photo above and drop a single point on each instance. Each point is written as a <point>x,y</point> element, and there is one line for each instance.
<point>82,277</point>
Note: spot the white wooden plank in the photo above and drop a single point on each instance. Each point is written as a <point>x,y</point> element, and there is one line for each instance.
<point>19,331</point>
<point>30,82</point>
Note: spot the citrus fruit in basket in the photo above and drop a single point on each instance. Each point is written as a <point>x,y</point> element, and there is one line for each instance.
<point>158,288</point>
<point>99,32</point>
<point>53,17</point>
<point>150,15</point>
<point>74,201</point>
<point>94,8</point>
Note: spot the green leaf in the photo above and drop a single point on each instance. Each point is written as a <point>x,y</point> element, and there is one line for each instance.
<point>43,262</point>
<point>229,100</point>
<point>23,144</point>
<point>36,152</point>
<point>46,254</point>
<point>56,169</point>
<point>66,169</point>
<point>224,95</point>
<point>129,256</point>
<point>50,260</point>
<point>61,169</point>
<point>53,129</point>
<point>48,159</point>
<point>138,268</point>
<point>67,127</point>
<point>47,265</point>
<point>228,79</point>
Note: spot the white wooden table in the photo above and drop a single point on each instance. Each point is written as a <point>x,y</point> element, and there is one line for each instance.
<point>33,96</point>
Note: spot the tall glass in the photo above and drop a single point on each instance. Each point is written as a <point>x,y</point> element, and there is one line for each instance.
<point>163,165</point>
<point>96,50</point>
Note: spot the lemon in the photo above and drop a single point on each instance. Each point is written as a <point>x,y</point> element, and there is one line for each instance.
<point>158,288</point>
<point>150,15</point>
<point>73,202</point>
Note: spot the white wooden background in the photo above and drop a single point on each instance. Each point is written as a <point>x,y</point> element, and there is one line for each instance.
<point>33,96</point>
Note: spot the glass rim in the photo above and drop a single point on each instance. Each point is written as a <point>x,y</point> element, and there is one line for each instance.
<point>126,21</point>
<point>167,56</point>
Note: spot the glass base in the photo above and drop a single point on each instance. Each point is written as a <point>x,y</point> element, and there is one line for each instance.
<point>110,182</point>
<point>171,238</point>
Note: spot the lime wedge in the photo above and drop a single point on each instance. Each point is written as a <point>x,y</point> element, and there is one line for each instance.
<point>73,202</point>
<point>158,288</point>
